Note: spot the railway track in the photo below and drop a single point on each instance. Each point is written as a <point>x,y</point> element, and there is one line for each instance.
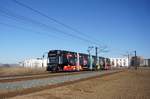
<point>15,78</point>
<point>35,85</point>
<point>19,75</point>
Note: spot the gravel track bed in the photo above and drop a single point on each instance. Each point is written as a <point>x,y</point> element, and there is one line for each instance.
<point>24,76</point>
<point>39,76</point>
<point>20,75</point>
<point>49,81</point>
<point>17,76</point>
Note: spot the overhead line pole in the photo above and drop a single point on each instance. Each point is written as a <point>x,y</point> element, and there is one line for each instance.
<point>90,56</point>
<point>97,50</point>
<point>96,53</point>
<point>128,60</point>
<point>135,60</point>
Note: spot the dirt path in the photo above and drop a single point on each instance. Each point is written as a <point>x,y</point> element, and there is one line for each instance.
<point>125,85</point>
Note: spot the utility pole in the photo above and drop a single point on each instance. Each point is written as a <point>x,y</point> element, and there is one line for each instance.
<point>96,54</point>
<point>90,56</point>
<point>43,61</point>
<point>128,60</point>
<point>135,60</point>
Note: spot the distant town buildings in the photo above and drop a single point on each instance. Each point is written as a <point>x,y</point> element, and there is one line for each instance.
<point>119,62</point>
<point>147,62</point>
<point>132,61</point>
<point>115,62</point>
<point>34,63</point>
<point>139,61</point>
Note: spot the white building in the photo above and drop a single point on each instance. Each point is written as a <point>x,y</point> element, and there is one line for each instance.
<point>119,62</point>
<point>34,63</point>
<point>146,62</point>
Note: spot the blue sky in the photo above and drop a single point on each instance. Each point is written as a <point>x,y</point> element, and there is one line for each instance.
<point>121,25</point>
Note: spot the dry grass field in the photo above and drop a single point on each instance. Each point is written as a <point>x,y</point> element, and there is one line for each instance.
<point>4,71</point>
<point>130,84</point>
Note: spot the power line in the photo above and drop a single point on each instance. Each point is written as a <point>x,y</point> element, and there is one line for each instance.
<point>25,29</point>
<point>10,14</point>
<point>54,20</point>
